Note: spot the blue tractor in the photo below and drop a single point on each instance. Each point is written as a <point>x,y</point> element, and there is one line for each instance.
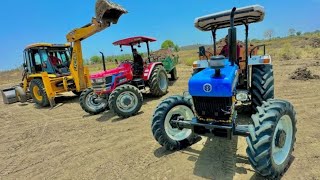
<point>219,90</point>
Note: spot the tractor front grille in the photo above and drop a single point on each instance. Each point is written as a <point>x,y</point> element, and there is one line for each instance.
<point>108,79</point>
<point>101,84</point>
<point>213,108</point>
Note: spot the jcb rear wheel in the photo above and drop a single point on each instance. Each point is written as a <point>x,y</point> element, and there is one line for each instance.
<point>38,93</point>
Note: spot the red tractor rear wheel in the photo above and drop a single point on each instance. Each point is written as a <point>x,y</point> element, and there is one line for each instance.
<point>158,81</point>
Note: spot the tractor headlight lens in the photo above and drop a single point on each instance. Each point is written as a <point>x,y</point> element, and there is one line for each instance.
<point>195,65</point>
<point>242,96</point>
<point>98,81</point>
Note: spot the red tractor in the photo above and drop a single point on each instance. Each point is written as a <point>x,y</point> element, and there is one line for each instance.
<point>120,89</point>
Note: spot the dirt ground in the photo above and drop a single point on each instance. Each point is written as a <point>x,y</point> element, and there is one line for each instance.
<point>67,143</point>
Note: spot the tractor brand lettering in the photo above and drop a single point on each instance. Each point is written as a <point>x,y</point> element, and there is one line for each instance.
<point>207,88</point>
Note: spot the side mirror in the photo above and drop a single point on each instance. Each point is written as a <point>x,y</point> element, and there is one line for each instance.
<point>202,51</point>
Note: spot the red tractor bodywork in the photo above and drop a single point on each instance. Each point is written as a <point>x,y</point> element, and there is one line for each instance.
<point>105,82</point>
<point>120,89</point>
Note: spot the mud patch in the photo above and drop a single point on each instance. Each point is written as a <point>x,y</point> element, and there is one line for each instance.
<point>302,73</point>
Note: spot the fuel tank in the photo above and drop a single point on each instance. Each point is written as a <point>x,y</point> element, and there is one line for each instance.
<point>206,84</point>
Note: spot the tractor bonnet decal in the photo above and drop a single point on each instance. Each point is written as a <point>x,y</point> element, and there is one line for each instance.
<point>207,88</point>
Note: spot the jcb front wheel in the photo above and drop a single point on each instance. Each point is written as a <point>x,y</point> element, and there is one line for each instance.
<point>38,93</point>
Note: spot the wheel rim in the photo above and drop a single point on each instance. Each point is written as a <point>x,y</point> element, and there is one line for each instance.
<point>282,140</point>
<point>163,81</point>
<point>175,133</point>
<point>36,93</point>
<point>127,101</point>
<point>91,101</point>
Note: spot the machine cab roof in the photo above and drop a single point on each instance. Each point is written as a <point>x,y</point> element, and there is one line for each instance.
<point>133,41</point>
<point>41,45</point>
<point>245,15</point>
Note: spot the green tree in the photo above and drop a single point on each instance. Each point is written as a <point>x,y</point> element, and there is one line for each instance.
<point>167,44</point>
<point>95,59</point>
<point>176,48</point>
<point>299,33</point>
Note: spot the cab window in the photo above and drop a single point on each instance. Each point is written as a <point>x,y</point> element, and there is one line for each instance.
<point>46,64</point>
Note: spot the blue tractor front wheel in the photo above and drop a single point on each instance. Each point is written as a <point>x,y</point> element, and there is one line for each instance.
<point>173,138</point>
<point>272,138</point>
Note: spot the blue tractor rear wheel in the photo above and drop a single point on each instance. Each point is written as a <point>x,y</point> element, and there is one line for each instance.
<point>262,85</point>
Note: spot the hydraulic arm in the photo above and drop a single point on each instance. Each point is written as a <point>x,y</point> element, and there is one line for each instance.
<point>107,13</point>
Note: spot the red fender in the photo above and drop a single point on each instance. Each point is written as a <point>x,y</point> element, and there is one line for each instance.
<point>148,70</point>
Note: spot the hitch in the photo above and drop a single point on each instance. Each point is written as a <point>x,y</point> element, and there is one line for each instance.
<point>208,129</point>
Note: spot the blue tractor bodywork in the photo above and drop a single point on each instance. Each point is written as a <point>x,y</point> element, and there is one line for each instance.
<point>206,84</point>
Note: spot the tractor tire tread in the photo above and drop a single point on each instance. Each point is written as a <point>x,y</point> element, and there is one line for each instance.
<point>261,132</point>
<point>154,82</point>
<point>158,129</point>
<point>39,83</point>
<point>262,85</point>
<point>85,107</point>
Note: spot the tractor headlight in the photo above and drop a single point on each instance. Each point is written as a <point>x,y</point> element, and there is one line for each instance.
<point>98,81</point>
<point>242,96</point>
<point>195,65</point>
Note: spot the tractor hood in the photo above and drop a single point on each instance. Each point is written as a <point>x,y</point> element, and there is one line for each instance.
<point>124,67</point>
<point>206,84</point>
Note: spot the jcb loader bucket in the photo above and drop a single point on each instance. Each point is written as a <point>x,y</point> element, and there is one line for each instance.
<point>108,12</point>
<point>9,95</point>
<point>14,94</point>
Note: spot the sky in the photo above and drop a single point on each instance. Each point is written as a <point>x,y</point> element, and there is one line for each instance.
<point>25,22</point>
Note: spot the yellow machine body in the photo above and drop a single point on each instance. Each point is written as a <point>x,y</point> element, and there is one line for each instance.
<point>107,13</point>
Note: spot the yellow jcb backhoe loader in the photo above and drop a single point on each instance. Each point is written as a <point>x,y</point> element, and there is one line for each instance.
<point>56,68</point>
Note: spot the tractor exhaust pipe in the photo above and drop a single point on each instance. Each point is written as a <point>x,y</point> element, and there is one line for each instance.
<point>103,61</point>
<point>232,38</point>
